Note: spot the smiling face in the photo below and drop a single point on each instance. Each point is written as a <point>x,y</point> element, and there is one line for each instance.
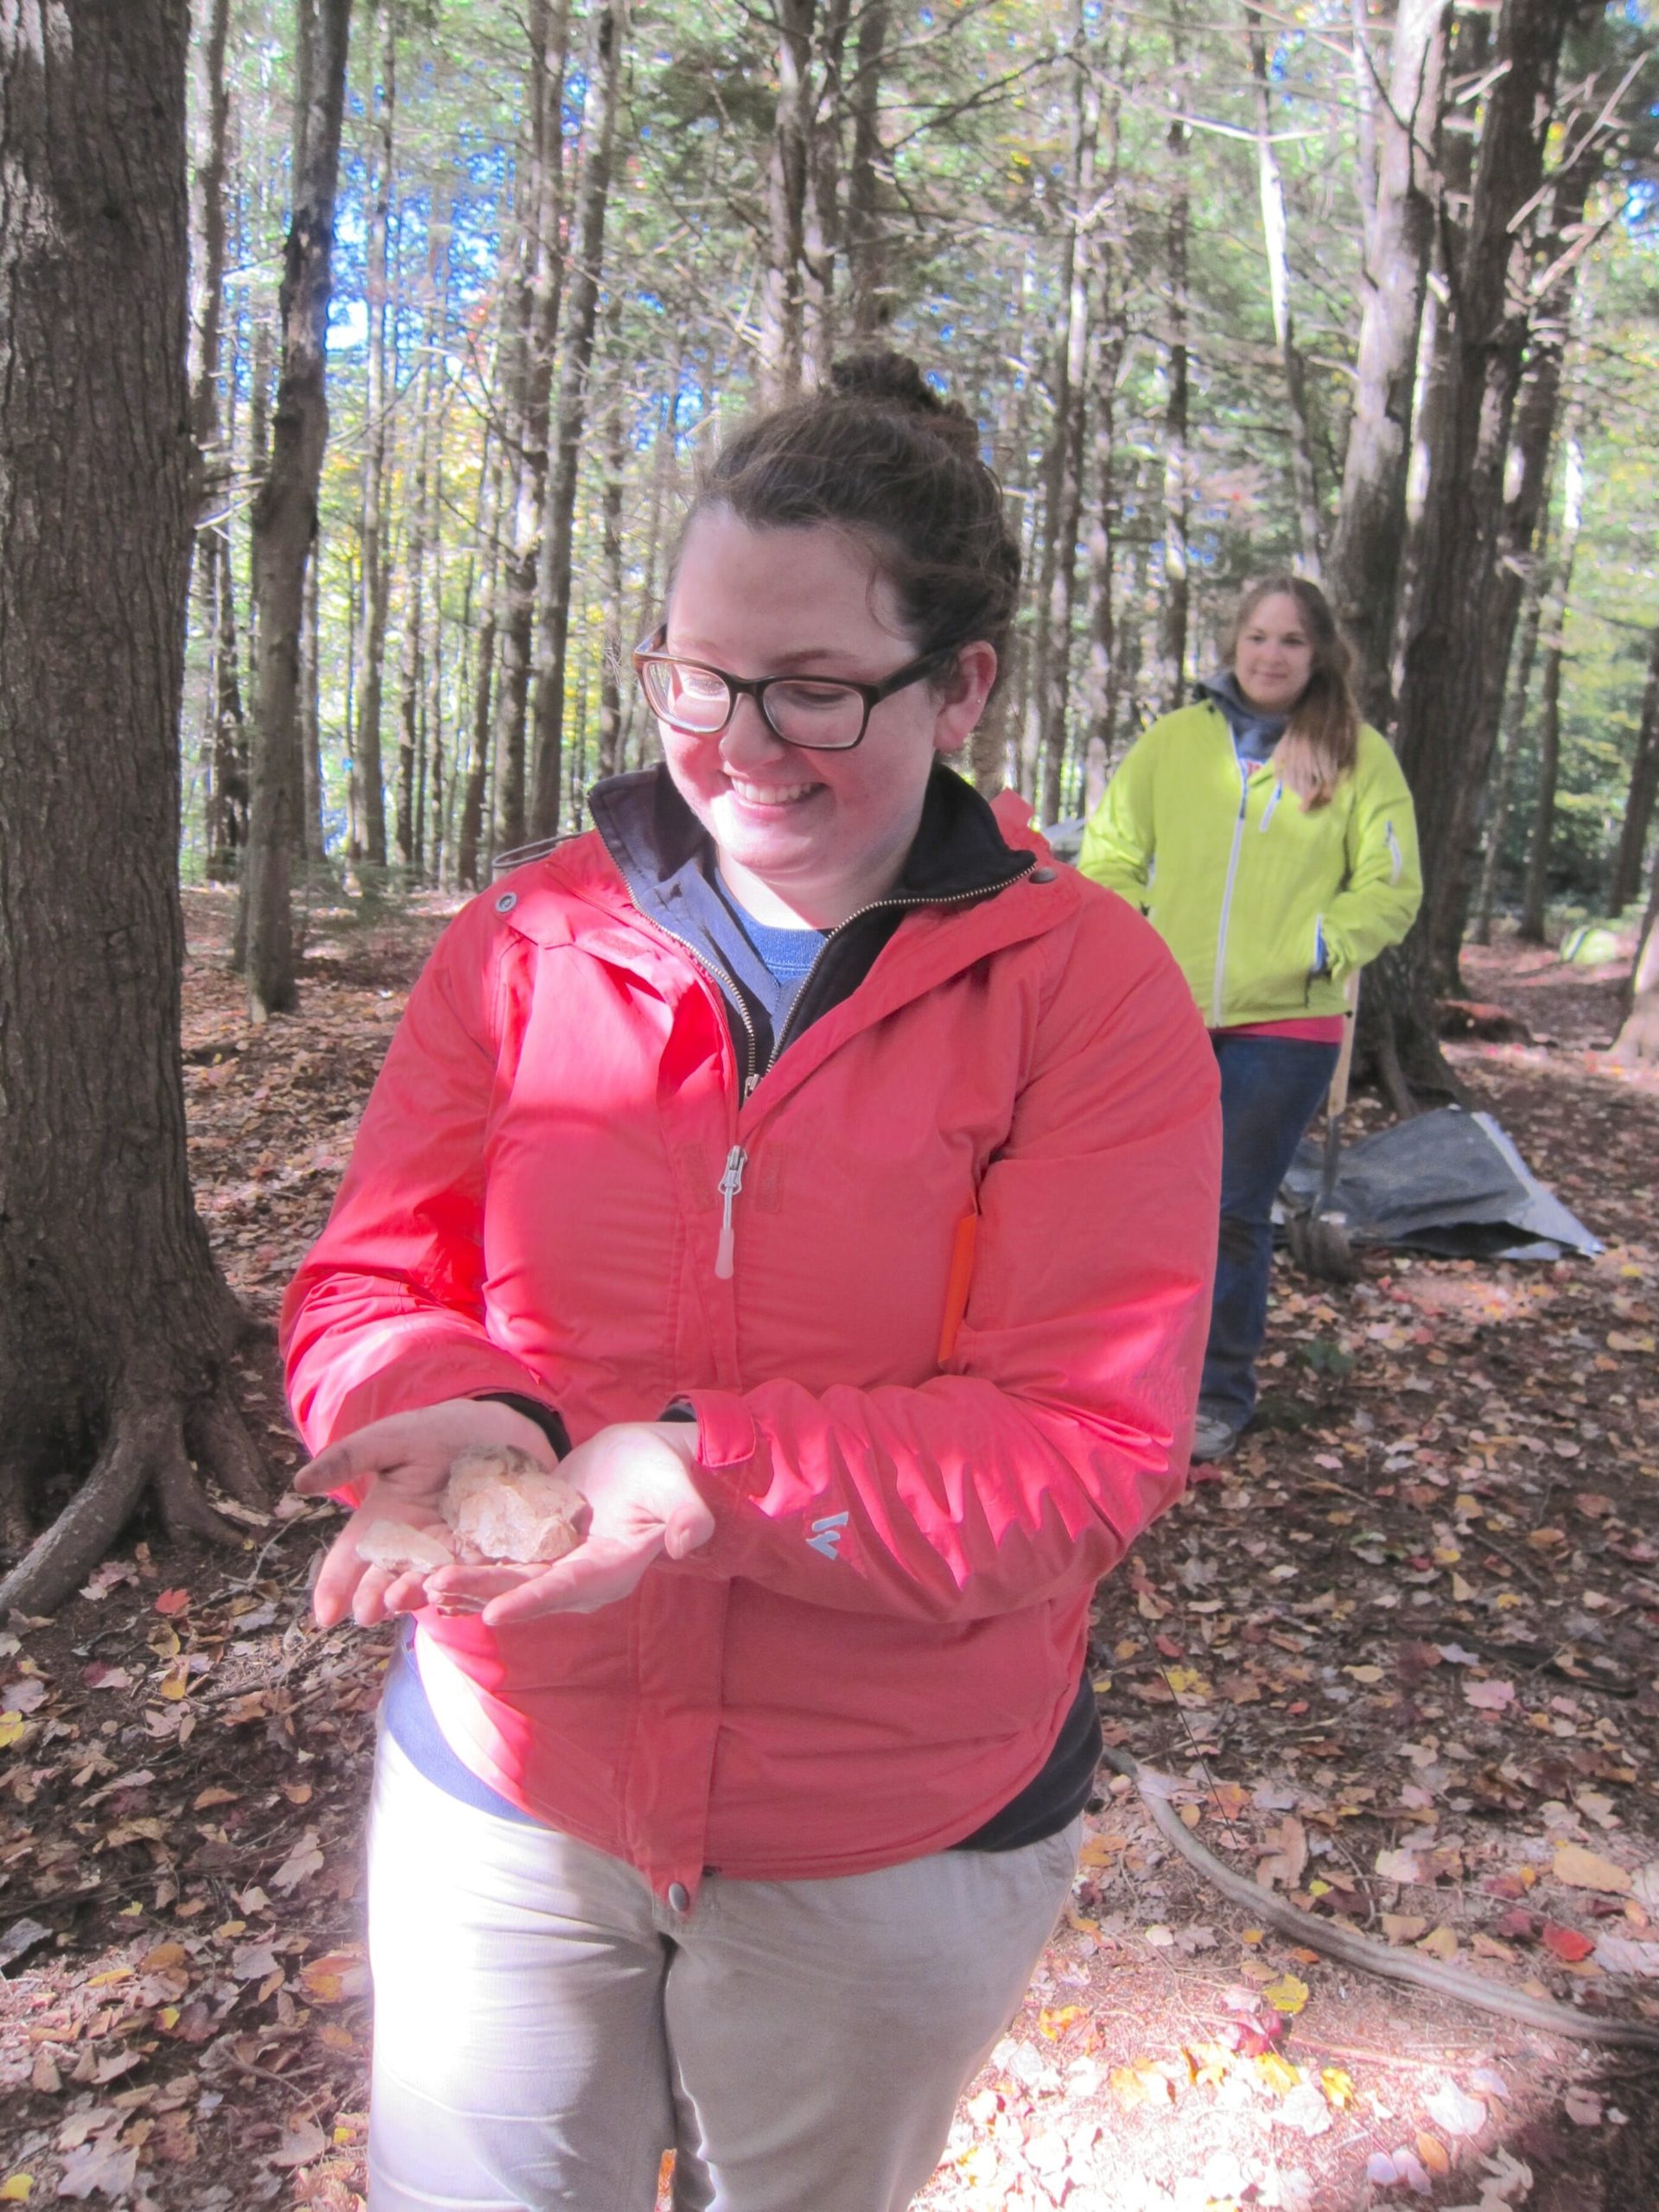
<point>1273,659</point>
<point>807,837</point>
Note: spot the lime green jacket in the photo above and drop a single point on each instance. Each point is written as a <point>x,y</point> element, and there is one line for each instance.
<point>1269,910</point>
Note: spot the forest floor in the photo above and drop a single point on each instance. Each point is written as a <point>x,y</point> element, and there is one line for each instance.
<point>1402,1659</point>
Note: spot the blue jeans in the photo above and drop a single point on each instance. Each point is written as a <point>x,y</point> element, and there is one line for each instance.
<point>1271,1087</point>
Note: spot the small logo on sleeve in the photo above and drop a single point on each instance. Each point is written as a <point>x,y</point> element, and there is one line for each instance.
<point>826,1535</point>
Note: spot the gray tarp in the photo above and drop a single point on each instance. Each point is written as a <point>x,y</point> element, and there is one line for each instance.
<point>1447,1182</point>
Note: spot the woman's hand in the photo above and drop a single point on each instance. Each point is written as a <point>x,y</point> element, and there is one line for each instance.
<point>645,1506</point>
<point>398,1468</point>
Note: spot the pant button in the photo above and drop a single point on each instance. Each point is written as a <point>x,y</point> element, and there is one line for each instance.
<point>678,1896</point>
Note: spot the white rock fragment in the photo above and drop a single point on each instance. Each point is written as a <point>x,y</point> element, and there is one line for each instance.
<point>502,1505</point>
<point>394,1544</point>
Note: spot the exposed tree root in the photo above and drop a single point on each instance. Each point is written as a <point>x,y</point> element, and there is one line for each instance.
<point>223,1446</point>
<point>145,1451</point>
<point>1361,1952</point>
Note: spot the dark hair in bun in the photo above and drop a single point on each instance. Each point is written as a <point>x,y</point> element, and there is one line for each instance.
<point>882,453</point>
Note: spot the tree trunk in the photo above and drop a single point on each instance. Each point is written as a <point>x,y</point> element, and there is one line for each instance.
<point>308,830</point>
<point>1276,232</point>
<point>226,821</point>
<point>1549,702</point>
<point>823,235</point>
<point>603,74</point>
<point>615,645</point>
<point>1362,566</point>
<point>1171,632</point>
<point>477,766</point>
<point>368,772</point>
<point>285,514</point>
<point>1444,738</point>
<point>782,280</point>
<point>872,308</point>
<point>1104,246</point>
<point>1639,802</point>
<point>1513,730</point>
<point>1063,499</point>
<point>411,675</point>
<point>1638,1037</point>
<point>531,334</point>
<point>116,1329</point>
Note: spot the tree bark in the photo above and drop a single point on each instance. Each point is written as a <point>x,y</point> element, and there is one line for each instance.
<point>368,771</point>
<point>285,514</point>
<point>532,330</point>
<point>1638,1036</point>
<point>1362,566</point>
<point>115,1328</point>
<point>1444,738</point>
<point>871,306</point>
<point>471,832</point>
<point>598,138</point>
<point>1553,626</point>
<point>1514,731</point>
<point>783,289</point>
<point>615,645</point>
<point>1172,632</point>
<point>1639,802</point>
<point>1105,265</point>
<point>1275,231</point>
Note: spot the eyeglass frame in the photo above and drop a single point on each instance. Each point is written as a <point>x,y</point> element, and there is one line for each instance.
<point>650,652</point>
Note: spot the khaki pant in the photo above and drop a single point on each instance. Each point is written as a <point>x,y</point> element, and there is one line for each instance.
<point>545,2028</point>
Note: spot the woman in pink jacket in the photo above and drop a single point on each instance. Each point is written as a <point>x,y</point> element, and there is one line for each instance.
<point>830,1186</point>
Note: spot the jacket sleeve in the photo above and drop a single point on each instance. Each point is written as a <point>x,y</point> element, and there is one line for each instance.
<point>387,1314</point>
<point>1061,1425</point>
<point>1117,843</point>
<point>1379,899</point>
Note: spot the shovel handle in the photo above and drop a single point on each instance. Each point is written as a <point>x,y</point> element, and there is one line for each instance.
<point>1339,1098</point>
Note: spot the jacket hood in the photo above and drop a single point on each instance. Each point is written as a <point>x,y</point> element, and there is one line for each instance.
<point>1254,734</point>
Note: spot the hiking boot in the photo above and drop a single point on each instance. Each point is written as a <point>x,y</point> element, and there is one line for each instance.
<point>1212,1439</point>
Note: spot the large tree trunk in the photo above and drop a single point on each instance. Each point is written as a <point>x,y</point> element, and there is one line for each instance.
<point>783,287</point>
<point>115,1326</point>
<point>604,65</point>
<point>1639,801</point>
<point>1440,727</point>
<point>285,512</point>
<point>1275,232</point>
<point>872,308</point>
<point>531,327</point>
<point>1363,565</point>
<point>470,834</point>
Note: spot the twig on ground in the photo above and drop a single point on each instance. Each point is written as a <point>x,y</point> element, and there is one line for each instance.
<point>1363,1954</point>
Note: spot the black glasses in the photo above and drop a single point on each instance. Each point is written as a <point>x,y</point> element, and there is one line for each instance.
<point>821,713</point>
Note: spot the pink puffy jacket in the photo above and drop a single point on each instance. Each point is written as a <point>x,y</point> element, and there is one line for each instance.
<point>875,1652</point>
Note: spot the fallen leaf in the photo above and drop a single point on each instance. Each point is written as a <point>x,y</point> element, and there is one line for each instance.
<point>1459,2116</point>
<point>304,1859</point>
<point>1286,1995</point>
<point>1489,1696</point>
<point>1567,1942</point>
<point>104,2164</point>
<point>172,1602</point>
<point>1587,1870</point>
<point>1404,1926</point>
<point>1582,2107</point>
<point>1440,1943</point>
<point>303,2140</point>
<point>16,2188</point>
<point>1434,2153</point>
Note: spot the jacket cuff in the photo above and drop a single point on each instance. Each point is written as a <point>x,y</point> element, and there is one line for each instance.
<point>546,1420</point>
<point>731,1467</point>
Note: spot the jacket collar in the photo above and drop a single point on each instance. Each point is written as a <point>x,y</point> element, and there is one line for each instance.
<point>959,851</point>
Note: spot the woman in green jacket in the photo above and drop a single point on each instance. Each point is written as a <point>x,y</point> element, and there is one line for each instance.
<point>1269,835</point>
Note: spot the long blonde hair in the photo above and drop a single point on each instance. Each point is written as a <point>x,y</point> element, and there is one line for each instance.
<point>1321,739</point>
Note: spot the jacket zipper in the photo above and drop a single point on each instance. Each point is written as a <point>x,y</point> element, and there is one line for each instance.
<point>731,1176</point>
<point>1227,895</point>
<point>1268,811</point>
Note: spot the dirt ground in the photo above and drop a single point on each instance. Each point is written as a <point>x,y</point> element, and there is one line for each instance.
<point>1400,1663</point>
